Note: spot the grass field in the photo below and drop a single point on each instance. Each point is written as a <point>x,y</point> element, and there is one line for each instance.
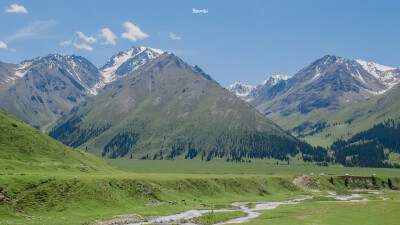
<point>256,167</point>
<point>174,186</point>
<point>212,218</point>
<point>74,199</point>
<point>315,212</point>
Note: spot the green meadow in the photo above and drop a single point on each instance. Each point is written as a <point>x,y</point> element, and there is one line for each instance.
<point>261,167</point>
<point>318,212</point>
<point>156,188</point>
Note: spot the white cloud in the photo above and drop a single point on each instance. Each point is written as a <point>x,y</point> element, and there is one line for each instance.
<point>133,32</point>
<point>3,45</point>
<point>65,43</point>
<point>86,38</point>
<point>108,35</point>
<point>83,46</point>
<point>33,29</point>
<point>14,8</point>
<point>174,36</point>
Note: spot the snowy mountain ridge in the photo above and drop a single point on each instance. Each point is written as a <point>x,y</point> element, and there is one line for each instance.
<point>124,62</point>
<point>370,78</point>
<point>244,91</point>
<point>240,89</point>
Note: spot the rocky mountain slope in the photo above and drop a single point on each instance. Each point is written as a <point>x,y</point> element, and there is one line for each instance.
<point>41,90</point>
<point>7,76</point>
<point>329,82</point>
<point>305,102</point>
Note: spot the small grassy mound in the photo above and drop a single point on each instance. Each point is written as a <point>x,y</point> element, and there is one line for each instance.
<point>217,217</point>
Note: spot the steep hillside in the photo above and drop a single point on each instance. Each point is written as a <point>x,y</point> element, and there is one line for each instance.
<point>24,149</point>
<point>323,127</point>
<point>168,109</point>
<point>47,88</point>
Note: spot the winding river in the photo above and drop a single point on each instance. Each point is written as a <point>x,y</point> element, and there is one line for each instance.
<point>243,206</point>
<point>251,212</point>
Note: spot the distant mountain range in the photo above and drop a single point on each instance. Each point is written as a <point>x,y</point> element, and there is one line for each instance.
<point>329,92</point>
<point>149,104</point>
<point>248,92</point>
<point>143,103</point>
<point>42,90</point>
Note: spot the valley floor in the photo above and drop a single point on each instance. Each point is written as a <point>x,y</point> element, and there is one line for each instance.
<point>78,198</point>
<point>260,167</point>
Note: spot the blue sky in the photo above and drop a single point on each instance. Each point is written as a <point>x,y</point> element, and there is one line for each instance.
<point>235,40</point>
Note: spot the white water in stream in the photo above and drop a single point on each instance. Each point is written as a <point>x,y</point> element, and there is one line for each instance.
<point>251,212</point>
<point>250,208</point>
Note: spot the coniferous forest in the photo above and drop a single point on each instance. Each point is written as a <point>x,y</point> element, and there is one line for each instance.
<point>370,148</point>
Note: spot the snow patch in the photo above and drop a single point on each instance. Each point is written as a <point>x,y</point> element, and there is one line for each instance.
<point>360,77</point>
<point>22,68</point>
<point>385,74</point>
<point>158,51</point>
<point>317,74</point>
<point>373,67</point>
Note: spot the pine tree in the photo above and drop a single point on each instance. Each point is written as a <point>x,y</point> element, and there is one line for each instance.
<point>390,183</point>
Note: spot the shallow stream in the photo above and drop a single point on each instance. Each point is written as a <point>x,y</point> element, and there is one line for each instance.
<point>250,208</point>
<point>243,206</point>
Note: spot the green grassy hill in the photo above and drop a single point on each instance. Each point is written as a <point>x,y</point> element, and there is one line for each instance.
<point>24,149</point>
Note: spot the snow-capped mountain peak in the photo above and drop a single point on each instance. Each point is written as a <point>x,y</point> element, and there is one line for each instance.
<point>387,75</point>
<point>272,80</point>
<point>372,67</point>
<point>156,50</point>
<point>125,62</point>
<point>76,67</point>
<point>246,91</point>
<point>240,89</point>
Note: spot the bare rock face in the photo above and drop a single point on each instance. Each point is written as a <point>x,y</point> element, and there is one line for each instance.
<point>302,180</point>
